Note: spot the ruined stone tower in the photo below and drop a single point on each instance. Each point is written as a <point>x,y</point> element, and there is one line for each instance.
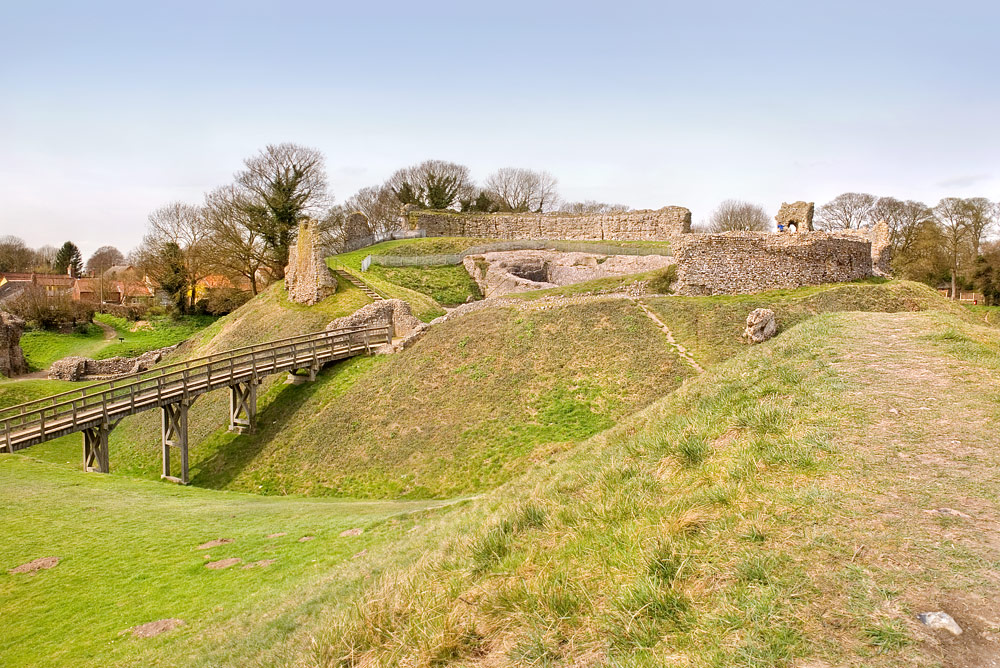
<point>797,214</point>
<point>307,278</point>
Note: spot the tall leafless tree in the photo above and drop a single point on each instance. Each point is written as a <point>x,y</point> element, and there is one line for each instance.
<point>178,228</point>
<point>849,211</point>
<point>737,215</point>
<point>953,221</point>
<point>380,205</point>
<point>982,215</point>
<point>519,190</point>
<point>15,255</point>
<point>237,244</point>
<point>283,185</point>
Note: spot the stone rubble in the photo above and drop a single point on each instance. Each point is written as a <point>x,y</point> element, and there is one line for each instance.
<point>76,368</point>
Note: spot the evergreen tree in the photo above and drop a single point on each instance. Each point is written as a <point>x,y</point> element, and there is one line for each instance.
<point>68,256</point>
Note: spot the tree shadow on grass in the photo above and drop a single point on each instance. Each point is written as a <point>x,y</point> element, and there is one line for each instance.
<point>229,454</point>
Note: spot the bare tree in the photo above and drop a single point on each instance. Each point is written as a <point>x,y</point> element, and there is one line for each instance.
<point>516,189</point>
<point>849,211</point>
<point>45,257</point>
<point>174,229</point>
<point>982,216</point>
<point>433,184</point>
<point>283,185</point>
<point>103,259</point>
<point>737,215</point>
<point>380,205</point>
<point>15,254</point>
<point>953,220</point>
<point>906,221</point>
<point>593,207</point>
<point>237,244</point>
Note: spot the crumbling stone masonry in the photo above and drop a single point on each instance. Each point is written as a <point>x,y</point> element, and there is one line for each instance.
<point>799,214</point>
<point>307,278</point>
<point>748,262</point>
<point>382,312</point>
<point>646,225</point>
<point>11,356</point>
<point>80,368</point>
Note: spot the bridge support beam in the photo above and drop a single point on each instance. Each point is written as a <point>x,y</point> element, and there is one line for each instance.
<point>175,435</point>
<point>243,407</point>
<point>96,458</point>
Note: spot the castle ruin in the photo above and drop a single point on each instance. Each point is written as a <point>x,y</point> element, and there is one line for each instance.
<point>307,278</point>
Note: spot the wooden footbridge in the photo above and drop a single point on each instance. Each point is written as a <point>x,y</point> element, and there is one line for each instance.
<point>95,410</point>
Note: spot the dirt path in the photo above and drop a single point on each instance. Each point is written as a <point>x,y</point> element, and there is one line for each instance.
<point>924,479</point>
<point>110,333</point>
<point>681,350</point>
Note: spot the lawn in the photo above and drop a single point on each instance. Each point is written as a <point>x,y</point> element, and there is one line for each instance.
<point>42,347</point>
<point>447,284</point>
<point>128,555</point>
<point>151,333</point>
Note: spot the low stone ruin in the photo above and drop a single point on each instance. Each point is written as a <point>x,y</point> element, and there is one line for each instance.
<point>83,368</point>
<point>795,217</point>
<point>506,272</point>
<point>307,278</point>
<point>761,325</point>
<point>11,356</point>
<point>384,311</point>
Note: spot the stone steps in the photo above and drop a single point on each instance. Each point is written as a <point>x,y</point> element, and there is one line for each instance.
<point>359,284</point>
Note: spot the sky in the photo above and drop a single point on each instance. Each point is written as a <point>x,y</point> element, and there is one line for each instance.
<point>109,110</point>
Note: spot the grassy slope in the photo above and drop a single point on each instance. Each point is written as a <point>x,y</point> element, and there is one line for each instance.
<point>469,406</point>
<point>710,327</point>
<point>774,510</point>
<point>269,316</point>
<point>447,285</point>
<point>128,557</point>
<point>43,347</point>
<point>165,331</point>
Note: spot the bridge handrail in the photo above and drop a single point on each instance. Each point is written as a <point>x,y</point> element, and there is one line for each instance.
<point>98,394</point>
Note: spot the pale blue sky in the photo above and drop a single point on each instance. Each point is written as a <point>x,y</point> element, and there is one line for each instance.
<point>108,110</point>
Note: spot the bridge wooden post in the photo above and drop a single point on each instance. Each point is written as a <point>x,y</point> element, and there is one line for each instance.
<point>175,435</point>
<point>96,458</point>
<point>243,407</point>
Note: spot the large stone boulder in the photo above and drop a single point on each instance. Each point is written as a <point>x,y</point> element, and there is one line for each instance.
<point>761,325</point>
<point>11,356</point>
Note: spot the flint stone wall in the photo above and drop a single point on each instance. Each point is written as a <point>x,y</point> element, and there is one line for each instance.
<point>11,356</point>
<point>77,368</point>
<point>800,213</point>
<point>381,312</point>
<point>307,278</point>
<point>748,262</point>
<point>645,225</point>
<point>878,236</point>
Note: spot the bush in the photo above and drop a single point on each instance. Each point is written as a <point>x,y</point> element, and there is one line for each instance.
<point>43,311</point>
<point>222,301</point>
<point>131,312</point>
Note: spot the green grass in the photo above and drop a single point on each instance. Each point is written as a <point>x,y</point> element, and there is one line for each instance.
<point>13,392</point>
<point>710,327</point>
<point>128,556</point>
<point>43,347</point>
<point>150,334</point>
<point>447,285</point>
<point>424,307</point>
<point>470,405</point>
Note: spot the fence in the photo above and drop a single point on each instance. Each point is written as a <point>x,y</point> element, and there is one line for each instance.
<point>565,246</point>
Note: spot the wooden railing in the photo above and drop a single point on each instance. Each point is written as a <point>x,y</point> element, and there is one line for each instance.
<point>107,402</point>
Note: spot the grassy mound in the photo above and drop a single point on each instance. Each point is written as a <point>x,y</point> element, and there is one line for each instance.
<point>469,406</point>
<point>773,512</point>
<point>710,327</point>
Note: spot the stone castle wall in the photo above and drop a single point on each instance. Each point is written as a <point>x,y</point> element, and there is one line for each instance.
<point>307,278</point>
<point>645,225</point>
<point>748,262</point>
